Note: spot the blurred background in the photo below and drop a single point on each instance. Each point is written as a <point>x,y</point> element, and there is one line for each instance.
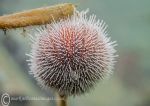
<point>129,25</point>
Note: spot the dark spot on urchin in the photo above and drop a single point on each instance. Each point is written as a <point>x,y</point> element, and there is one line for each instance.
<point>72,55</point>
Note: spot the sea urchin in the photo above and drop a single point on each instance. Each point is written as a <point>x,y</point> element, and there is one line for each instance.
<point>72,55</point>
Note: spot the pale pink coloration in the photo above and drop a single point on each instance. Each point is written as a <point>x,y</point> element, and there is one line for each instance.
<point>72,55</point>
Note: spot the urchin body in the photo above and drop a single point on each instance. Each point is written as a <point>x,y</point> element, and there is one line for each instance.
<point>72,55</point>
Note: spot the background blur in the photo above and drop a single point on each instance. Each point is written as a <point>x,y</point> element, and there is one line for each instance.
<point>129,25</point>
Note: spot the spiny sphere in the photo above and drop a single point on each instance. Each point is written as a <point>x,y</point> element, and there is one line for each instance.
<point>71,55</point>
